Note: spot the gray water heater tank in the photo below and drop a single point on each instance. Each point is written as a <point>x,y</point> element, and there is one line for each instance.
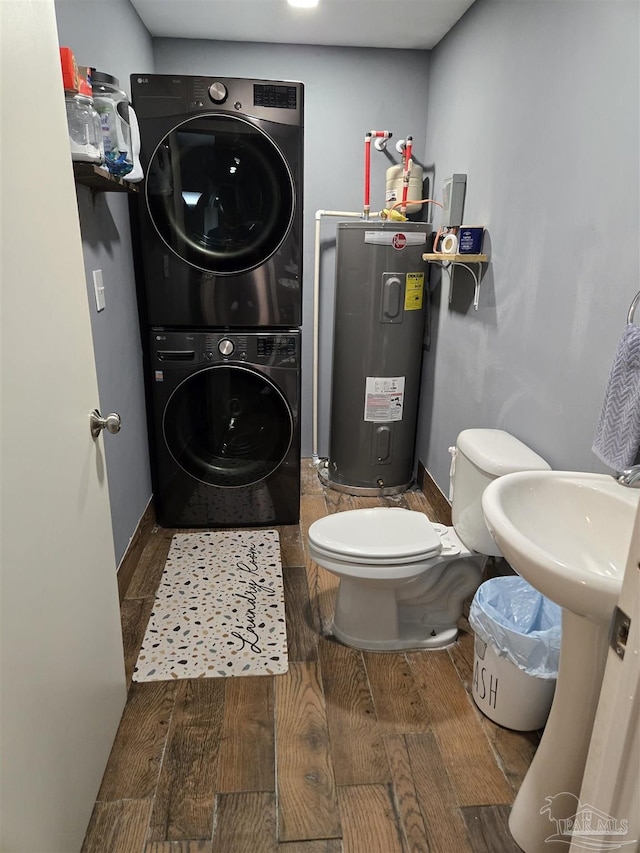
<point>377,355</point>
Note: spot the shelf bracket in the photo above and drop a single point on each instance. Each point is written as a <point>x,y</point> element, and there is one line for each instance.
<point>450,263</point>
<point>450,267</point>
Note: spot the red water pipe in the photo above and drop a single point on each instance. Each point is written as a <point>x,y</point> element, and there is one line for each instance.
<point>367,176</point>
<point>378,134</point>
<point>406,173</point>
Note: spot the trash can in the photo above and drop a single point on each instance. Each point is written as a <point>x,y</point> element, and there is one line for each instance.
<point>516,652</point>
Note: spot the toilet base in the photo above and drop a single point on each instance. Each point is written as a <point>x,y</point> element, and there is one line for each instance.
<point>414,640</point>
<point>367,617</point>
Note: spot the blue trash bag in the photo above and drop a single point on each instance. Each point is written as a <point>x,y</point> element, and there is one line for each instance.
<point>519,624</point>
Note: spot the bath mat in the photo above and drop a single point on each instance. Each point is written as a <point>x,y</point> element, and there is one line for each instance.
<point>219,609</point>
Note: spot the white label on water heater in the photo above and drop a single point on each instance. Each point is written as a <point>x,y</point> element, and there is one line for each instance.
<point>384,398</point>
<point>390,238</point>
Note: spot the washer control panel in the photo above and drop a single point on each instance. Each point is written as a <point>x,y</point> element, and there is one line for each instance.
<point>269,345</point>
<point>171,349</point>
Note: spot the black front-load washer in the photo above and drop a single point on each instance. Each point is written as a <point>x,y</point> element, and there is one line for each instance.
<point>226,437</point>
<point>221,208</point>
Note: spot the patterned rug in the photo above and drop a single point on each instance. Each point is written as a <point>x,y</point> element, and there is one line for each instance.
<point>219,609</point>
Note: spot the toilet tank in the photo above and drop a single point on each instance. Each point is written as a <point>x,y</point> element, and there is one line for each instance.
<point>482,455</point>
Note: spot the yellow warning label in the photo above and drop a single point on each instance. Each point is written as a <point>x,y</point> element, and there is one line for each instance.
<point>413,291</point>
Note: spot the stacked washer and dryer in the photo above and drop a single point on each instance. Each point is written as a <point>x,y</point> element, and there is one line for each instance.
<point>220,235</point>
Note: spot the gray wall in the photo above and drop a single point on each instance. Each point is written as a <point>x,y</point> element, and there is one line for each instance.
<point>538,103</point>
<point>348,91</point>
<point>108,35</point>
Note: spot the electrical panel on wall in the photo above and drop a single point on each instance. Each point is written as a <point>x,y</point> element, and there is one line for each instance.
<point>453,193</point>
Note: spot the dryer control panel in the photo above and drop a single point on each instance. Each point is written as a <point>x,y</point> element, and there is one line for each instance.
<point>160,95</point>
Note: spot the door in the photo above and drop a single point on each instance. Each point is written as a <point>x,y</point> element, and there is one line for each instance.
<point>62,672</point>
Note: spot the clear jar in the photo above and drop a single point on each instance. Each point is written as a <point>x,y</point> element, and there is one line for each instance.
<point>83,122</point>
<point>112,106</point>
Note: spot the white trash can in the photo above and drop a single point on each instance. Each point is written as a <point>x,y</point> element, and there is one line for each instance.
<point>516,650</point>
<point>508,695</point>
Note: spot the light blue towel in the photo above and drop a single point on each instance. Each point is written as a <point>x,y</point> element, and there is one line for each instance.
<point>618,432</point>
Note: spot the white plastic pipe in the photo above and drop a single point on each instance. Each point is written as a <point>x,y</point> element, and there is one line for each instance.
<point>316,319</point>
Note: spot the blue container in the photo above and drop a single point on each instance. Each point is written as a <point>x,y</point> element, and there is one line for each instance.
<point>470,241</point>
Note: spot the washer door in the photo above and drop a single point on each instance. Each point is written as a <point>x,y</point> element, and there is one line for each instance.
<point>228,426</point>
<point>220,194</point>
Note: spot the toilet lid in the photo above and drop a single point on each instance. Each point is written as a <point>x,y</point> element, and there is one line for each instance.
<point>380,533</point>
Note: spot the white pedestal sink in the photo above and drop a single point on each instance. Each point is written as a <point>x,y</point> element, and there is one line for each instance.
<point>568,535</point>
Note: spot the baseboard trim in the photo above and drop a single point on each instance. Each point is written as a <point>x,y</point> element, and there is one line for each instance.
<point>135,548</point>
<point>433,494</point>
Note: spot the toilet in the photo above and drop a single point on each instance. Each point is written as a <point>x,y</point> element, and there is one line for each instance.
<point>404,579</point>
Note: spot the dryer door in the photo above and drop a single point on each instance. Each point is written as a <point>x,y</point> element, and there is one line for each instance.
<point>220,194</point>
<point>228,426</point>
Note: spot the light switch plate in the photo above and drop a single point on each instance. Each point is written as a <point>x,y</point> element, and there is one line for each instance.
<point>98,286</point>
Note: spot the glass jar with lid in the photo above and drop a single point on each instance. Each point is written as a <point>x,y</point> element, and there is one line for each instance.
<point>83,122</point>
<point>112,106</point>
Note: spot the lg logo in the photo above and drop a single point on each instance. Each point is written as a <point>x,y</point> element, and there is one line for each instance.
<point>143,79</point>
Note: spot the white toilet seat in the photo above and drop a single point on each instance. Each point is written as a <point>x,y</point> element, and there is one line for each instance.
<point>380,536</point>
<point>368,560</point>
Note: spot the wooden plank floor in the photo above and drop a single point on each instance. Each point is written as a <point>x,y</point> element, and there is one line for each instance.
<point>348,752</point>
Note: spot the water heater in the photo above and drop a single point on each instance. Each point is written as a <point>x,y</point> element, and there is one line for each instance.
<point>377,355</point>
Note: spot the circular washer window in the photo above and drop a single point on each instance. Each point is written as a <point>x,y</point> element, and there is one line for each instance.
<point>220,194</point>
<point>228,426</point>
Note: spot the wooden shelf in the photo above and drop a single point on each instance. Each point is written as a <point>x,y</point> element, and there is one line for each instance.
<point>456,259</point>
<point>450,262</point>
<point>97,179</point>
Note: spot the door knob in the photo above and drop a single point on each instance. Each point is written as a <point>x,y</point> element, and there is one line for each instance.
<point>97,423</point>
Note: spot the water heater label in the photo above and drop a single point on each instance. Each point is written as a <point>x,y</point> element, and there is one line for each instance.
<point>413,291</point>
<point>384,398</point>
<point>395,238</point>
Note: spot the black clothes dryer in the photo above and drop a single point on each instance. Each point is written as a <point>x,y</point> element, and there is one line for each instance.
<point>221,206</point>
<point>226,427</point>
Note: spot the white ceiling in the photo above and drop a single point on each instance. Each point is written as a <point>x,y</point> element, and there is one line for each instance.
<point>355,23</point>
